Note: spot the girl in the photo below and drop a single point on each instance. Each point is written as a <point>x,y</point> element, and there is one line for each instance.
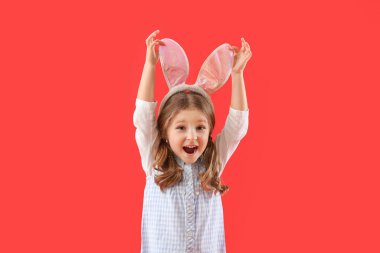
<point>182,209</point>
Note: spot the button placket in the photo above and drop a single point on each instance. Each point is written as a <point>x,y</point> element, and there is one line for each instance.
<point>189,206</point>
<point>197,181</point>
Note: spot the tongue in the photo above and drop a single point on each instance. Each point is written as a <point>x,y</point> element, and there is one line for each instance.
<point>189,150</point>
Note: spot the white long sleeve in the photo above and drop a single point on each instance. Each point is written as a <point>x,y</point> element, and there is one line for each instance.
<point>144,120</point>
<point>234,130</point>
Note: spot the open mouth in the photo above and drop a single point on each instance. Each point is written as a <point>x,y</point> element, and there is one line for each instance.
<point>190,149</point>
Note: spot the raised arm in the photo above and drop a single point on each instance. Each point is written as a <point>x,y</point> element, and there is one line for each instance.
<point>144,115</point>
<point>236,125</point>
<point>146,88</point>
<point>239,96</point>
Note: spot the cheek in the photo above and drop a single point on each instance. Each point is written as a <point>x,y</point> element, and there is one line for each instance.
<point>171,135</point>
<point>205,140</point>
<point>176,139</point>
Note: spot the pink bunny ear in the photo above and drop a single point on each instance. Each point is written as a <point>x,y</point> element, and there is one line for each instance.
<point>216,69</point>
<point>174,62</point>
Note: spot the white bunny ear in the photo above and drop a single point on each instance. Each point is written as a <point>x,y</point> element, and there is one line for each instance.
<point>174,62</point>
<point>216,69</point>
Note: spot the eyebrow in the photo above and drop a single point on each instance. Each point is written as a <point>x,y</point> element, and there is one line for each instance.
<point>201,120</point>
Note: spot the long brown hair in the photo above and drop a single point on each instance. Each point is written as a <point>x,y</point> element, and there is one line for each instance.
<point>165,161</point>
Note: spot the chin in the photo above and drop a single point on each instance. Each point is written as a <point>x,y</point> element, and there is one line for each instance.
<point>189,158</point>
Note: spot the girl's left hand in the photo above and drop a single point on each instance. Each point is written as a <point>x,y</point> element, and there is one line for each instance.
<point>241,57</point>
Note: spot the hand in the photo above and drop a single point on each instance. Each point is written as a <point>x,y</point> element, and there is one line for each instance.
<point>241,57</point>
<point>152,55</point>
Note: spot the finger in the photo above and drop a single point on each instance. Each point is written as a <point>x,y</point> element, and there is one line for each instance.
<point>248,55</point>
<point>153,43</point>
<point>152,35</point>
<point>248,49</point>
<point>243,44</point>
<point>247,45</point>
<point>242,40</point>
<point>159,42</point>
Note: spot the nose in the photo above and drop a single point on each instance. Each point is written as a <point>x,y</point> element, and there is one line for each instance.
<point>191,134</point>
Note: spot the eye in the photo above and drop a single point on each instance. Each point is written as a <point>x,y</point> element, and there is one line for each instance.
<point>180,127</point>
<point>201,127</point>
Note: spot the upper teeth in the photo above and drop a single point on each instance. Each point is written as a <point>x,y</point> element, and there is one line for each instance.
<point>191,146</point>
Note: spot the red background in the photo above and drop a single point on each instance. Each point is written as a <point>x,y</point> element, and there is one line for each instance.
<point>304,179</point>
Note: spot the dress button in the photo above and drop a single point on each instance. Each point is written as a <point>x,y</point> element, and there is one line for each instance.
<point>197,193</point>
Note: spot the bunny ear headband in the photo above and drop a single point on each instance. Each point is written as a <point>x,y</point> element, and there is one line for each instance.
<point>213,74</point>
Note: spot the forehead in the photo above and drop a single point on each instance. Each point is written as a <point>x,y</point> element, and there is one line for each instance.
<point>189,115</point>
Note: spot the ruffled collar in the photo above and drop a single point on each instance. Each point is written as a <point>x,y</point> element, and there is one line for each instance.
<point>182,164</point>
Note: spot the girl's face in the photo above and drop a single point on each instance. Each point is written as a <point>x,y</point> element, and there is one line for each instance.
<point>188,134</point>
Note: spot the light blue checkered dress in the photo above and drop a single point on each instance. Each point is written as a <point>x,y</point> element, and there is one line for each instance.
<point>183,218</point>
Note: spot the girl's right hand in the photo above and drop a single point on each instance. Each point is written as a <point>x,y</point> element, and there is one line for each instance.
<point>152,55</point>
